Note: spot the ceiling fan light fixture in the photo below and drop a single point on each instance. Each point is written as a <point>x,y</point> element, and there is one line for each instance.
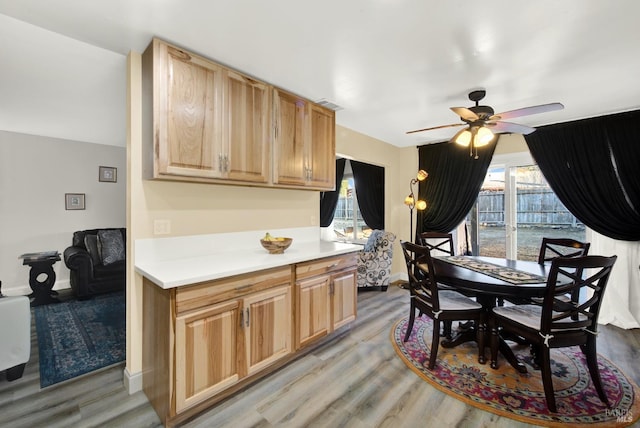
<point>483,137</point>
<point>462,137</point>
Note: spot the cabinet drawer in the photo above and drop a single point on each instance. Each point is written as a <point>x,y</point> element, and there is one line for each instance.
<point>206,293</point>
<point>329,264</point>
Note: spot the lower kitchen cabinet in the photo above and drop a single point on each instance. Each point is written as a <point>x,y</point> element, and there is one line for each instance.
<point>219,345</point>
<point>343,298</point>
<point>325,297</point>
<point>202,342</point>
<point>267,331</point>
<point>206,353</point>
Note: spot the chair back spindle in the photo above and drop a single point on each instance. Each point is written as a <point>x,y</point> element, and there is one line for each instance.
<point>440,244</point>
<point>561,247</point>
<point>575,276</point>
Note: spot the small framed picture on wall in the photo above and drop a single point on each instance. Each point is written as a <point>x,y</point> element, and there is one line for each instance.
<point>108,174</point>
<point>74,201</point>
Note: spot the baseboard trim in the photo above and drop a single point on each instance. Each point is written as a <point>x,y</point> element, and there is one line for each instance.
<point>132,381</point>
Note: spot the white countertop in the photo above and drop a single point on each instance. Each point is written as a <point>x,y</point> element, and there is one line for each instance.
<point>176,261</point>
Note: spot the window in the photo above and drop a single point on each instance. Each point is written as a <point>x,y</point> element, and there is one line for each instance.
<point>515,209</point>
<point>347,221</point>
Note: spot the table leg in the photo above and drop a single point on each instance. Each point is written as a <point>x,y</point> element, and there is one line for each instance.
<point>465,334</point>
<point>499,344</point>
<point>507,352</point>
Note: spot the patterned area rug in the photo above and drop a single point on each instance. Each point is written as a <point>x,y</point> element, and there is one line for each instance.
<point>78,337</point>
<point>501,272</point>
<point>521,397</point>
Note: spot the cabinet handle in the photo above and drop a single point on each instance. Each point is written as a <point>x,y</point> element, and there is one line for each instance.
<point>241,319</point>
<point>220,163</point>
<point>247,317</point>
<point>333,265</point>
<point>226,163</point>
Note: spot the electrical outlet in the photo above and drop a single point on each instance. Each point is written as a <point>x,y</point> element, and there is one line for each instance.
<point>161,227</point>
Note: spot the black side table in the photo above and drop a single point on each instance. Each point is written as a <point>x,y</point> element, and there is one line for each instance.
<point>42,264</point>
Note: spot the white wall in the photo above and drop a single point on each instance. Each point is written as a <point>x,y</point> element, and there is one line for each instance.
<point>35,173</point>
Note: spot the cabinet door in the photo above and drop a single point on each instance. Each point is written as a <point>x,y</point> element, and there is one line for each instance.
<point>343,298</point>
<point>206,353</point>
<point>290,136</point>
<point>312,309</point>
<point>189,116</point>
<point>247,127</point>
<point>267,327</point>
<point>322,149</point>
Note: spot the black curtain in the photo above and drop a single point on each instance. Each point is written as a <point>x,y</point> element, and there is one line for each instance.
<point>453,184</point>
<point>329,200</point>
<point>592,166</point>
<point>369,183</point>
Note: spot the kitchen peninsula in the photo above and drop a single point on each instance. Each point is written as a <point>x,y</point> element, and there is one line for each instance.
<point>220,312</point>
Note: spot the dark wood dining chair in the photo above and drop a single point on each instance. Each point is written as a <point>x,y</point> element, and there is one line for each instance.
<point>552,248</point>
<point>561,247</point>
<point>559,323</point>
<point>440,244</point>
<point>439,305</point>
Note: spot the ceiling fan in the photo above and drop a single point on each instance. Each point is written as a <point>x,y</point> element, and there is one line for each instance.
<point>482,123</point>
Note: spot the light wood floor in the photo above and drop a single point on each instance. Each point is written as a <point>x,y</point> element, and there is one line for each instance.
<point>355,381</point>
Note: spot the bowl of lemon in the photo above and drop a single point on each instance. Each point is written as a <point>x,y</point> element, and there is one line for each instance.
<point>275,244</point>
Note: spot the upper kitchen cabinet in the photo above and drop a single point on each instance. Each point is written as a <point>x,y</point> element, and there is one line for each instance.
<point>209,122</point>
<point>206,122</point>
<point>304,143</point>
<point>247,125</point>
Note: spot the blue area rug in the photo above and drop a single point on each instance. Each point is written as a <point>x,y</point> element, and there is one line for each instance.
<point>78,337</point>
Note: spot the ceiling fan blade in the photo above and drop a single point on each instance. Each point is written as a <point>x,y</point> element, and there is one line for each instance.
<point>436,127</point>
<point>509,127</point>
<point>465,113</point>
<point>526,111</point>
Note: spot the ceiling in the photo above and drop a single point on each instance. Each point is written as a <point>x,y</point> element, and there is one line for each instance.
<point>391,65</point>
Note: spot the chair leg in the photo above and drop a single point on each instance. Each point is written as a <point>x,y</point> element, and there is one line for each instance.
<point>15,372</point>
<point>592,364</point>
<point>435,341</point>
<point>412,316</point>
<point>494,343</point>
<point>547,381</point>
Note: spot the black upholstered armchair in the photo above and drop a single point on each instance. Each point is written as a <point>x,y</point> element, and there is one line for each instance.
<point>97,261</point>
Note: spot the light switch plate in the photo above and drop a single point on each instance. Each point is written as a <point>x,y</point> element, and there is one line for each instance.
<point>161,227</point>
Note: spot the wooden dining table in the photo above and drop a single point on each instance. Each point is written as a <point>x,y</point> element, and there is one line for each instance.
<point>489,279</point>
